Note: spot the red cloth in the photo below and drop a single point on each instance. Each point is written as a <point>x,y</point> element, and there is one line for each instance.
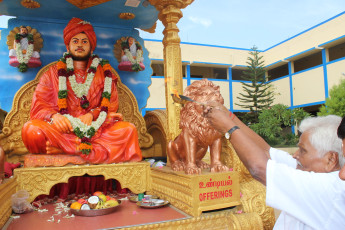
<point>9,167</point>
<point>76,26</point>
<point>79,186</point>
<point>115,141</point>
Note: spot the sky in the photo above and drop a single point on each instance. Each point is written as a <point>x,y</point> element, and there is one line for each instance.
<point>245,23</point>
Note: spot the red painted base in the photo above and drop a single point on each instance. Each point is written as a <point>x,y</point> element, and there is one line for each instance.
<point>33,62</point>
<point>127,214</point>
<point>127,66</point>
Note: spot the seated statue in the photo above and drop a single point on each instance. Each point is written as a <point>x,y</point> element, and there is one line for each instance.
<point>74,106</point>
<point>131,55</point>
<point>23,53</point>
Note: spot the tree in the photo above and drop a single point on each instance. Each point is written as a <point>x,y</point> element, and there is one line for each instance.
<point>335,103</point>
<point>275,123</point>
<point>258,94</point>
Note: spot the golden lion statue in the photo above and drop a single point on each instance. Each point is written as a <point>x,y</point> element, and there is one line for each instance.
<point>188,149</point>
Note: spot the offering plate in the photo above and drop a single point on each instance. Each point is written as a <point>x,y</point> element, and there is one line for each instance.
<point>95,212</point>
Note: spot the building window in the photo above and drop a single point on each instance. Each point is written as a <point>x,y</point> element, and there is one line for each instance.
<point>220,73</point>
<point>308,62</point>
<point>157,69</point>
<point>183,71</point>
<point>278,72</point>
<point>336,52</point>
<point>237,74</point>
<point>313,109</point>
<point>208,72</point>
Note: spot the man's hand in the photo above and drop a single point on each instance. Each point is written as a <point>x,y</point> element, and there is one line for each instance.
<point>86,118</point>
<point>218,116</point>
<point>215,104</point>
<point>62,123</point>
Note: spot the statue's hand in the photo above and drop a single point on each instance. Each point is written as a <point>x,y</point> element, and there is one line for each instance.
<point>62,123</point>
<point>86,118</point>
<point>115,116</point>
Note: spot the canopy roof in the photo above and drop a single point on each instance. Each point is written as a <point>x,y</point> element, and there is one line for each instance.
<point>96,11</point>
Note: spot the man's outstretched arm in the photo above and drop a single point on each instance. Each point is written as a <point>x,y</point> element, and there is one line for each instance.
<point>250,148</point>
<point>257,139</point>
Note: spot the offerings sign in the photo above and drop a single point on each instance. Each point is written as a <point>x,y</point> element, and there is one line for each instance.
<point>218,189</point>
<point>195,194</point>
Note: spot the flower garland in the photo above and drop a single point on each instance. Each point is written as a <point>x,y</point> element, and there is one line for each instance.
<point>135,62</point>
<point>23,60</point>
<point>66,70</point>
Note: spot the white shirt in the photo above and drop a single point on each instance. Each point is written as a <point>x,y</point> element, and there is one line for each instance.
<point>24,43</point>
<point>308,200</point>
<point>133,49</point>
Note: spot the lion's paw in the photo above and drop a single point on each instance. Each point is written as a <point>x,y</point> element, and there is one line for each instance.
<point>202,165</point>
<point>177,166</point>
<point>219,167</point>
<point>192,169</point>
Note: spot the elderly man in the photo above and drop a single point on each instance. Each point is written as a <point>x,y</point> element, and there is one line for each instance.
<point>74,106</point>
<point>306,187</point>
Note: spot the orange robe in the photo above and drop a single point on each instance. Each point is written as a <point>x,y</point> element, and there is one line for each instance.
<point>115,141</point>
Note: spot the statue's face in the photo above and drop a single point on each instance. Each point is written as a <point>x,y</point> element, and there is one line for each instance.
<point>23,31</point>
<point>80,47</point>
<point>130,41</point>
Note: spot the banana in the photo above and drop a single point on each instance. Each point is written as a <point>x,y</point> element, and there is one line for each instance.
<point>111,203</point>
<point>100,204</point>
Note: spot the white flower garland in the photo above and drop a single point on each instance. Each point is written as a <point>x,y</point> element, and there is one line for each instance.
<point>28,54</point>
<point>107,84</point>
<point>77,123</point>
<point>81,89</point>
<point>62,83</point>
<point>130,56</point>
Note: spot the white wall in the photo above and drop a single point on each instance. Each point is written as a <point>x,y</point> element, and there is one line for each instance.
<point>308,86</point>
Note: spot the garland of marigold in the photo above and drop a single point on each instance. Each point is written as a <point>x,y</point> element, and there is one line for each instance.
<point>66,71</point>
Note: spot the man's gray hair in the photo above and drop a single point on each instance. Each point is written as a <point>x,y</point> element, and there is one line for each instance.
<point>323,134</point>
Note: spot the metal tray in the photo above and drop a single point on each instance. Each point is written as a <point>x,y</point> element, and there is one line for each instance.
<point>95,212</point>
<point>149,205</point>
<point>135,198</point>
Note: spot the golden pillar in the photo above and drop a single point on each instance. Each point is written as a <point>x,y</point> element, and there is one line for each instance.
<point>170,13</point>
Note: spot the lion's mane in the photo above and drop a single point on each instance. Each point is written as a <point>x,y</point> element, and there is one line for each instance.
<point>192,119</point>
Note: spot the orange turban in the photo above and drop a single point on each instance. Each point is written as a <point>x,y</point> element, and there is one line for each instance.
<point>76,26</point>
